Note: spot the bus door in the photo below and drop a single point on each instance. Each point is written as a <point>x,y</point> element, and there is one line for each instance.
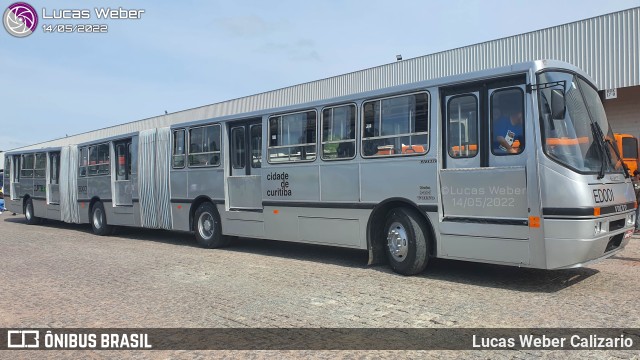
<point>483,180</point>
<point>245,164</point>
<point>53,178</point>
<point>123,188</point>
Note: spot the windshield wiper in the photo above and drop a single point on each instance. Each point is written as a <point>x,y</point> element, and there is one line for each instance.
<point>598,137</point>
<point>615,150</point>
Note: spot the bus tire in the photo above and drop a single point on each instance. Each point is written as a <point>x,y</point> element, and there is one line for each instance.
<point>99,220</point>
<point>407,244</point>
<point>208,228</point>
<point>29,215</point>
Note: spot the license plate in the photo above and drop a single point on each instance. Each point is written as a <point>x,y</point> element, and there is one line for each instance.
<point>628,234</point>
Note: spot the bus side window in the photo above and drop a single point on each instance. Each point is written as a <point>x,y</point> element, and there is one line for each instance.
<point>178,149</point>
<point>93,160</point>
<point>339,132</point>
<point>204,146</point>
<point>103,159</point>
<point>256,146</point>
<point>27,166</point>
<point>83,162</point>
<point>463,126</point>
<point>55,168</point>
<point>507,125</point>
<point>122,172</point>
<point>292,137</point>
<point>396,126</point>
<point>40,167</point>
<point>7,167</point>
<point>238,148</point>
<point>130,159</point>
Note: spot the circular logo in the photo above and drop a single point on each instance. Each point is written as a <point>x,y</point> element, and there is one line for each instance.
<point>20,19</point>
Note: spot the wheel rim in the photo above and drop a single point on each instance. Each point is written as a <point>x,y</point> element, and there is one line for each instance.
<point>97,218</point>
<point>206,225</point>
<point>28,212</point>
<point>398,242</point>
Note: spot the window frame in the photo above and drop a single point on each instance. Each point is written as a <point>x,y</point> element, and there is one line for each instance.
<point>17,167</point>
<point>233,148</point>
<point>491,121</point>
<point>269,147</point>
<point>355,133</point>
<point>250,147</point>
<point>173,148</point>
<point>22,168</point>
<point>40,172</point>
<point>126,147</point>
<point>7,167</point>
<point>98,164</point>
<point>54,171</point>
<point>448,122</point>
<point>188,148</point>
<point>384,156</point>
<point>82,152</point>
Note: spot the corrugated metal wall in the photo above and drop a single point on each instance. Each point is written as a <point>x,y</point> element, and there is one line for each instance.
<point>624,111</point>
<point>606,47</point>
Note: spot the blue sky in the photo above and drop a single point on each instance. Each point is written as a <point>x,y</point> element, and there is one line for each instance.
<point>184,54</point>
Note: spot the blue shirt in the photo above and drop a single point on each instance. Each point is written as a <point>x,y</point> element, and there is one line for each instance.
<point>503,127</point>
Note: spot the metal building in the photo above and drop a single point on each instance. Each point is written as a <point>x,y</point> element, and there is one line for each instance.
<point>607,47</point>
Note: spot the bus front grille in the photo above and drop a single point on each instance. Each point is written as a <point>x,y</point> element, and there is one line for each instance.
<point>615,225</point>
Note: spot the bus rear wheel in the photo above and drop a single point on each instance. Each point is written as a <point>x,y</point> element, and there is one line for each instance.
<point>99,220</point>
<point>407,244</point>
<point>29,214</point>
<point>207,227</point>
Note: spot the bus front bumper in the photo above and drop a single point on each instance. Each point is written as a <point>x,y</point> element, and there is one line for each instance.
<point>564,252</point>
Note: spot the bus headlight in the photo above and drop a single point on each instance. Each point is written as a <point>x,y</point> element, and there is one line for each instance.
<point>631,219</point>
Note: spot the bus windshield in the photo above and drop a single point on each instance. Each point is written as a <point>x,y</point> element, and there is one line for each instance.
<point>570,136</point>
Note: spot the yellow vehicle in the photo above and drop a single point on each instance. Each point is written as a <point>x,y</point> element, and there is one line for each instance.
<point>628,149</point>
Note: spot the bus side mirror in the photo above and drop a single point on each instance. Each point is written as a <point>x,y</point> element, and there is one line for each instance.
<point>558,106</point>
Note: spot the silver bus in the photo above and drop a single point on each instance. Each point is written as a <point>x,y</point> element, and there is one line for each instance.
<point>513,166</point>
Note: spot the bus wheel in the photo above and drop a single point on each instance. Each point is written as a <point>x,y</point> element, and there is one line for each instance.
<point>29,214</point>
<point>99,220</point>
<point>207,227</point>
<point>407,243</point>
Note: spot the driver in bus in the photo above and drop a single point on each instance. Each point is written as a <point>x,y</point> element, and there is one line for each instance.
<point>506,130</point>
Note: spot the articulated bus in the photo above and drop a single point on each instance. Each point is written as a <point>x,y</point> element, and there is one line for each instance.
<point>509,166</point>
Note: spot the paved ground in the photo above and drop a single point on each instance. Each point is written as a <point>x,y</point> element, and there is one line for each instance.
<point>60,275</point>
